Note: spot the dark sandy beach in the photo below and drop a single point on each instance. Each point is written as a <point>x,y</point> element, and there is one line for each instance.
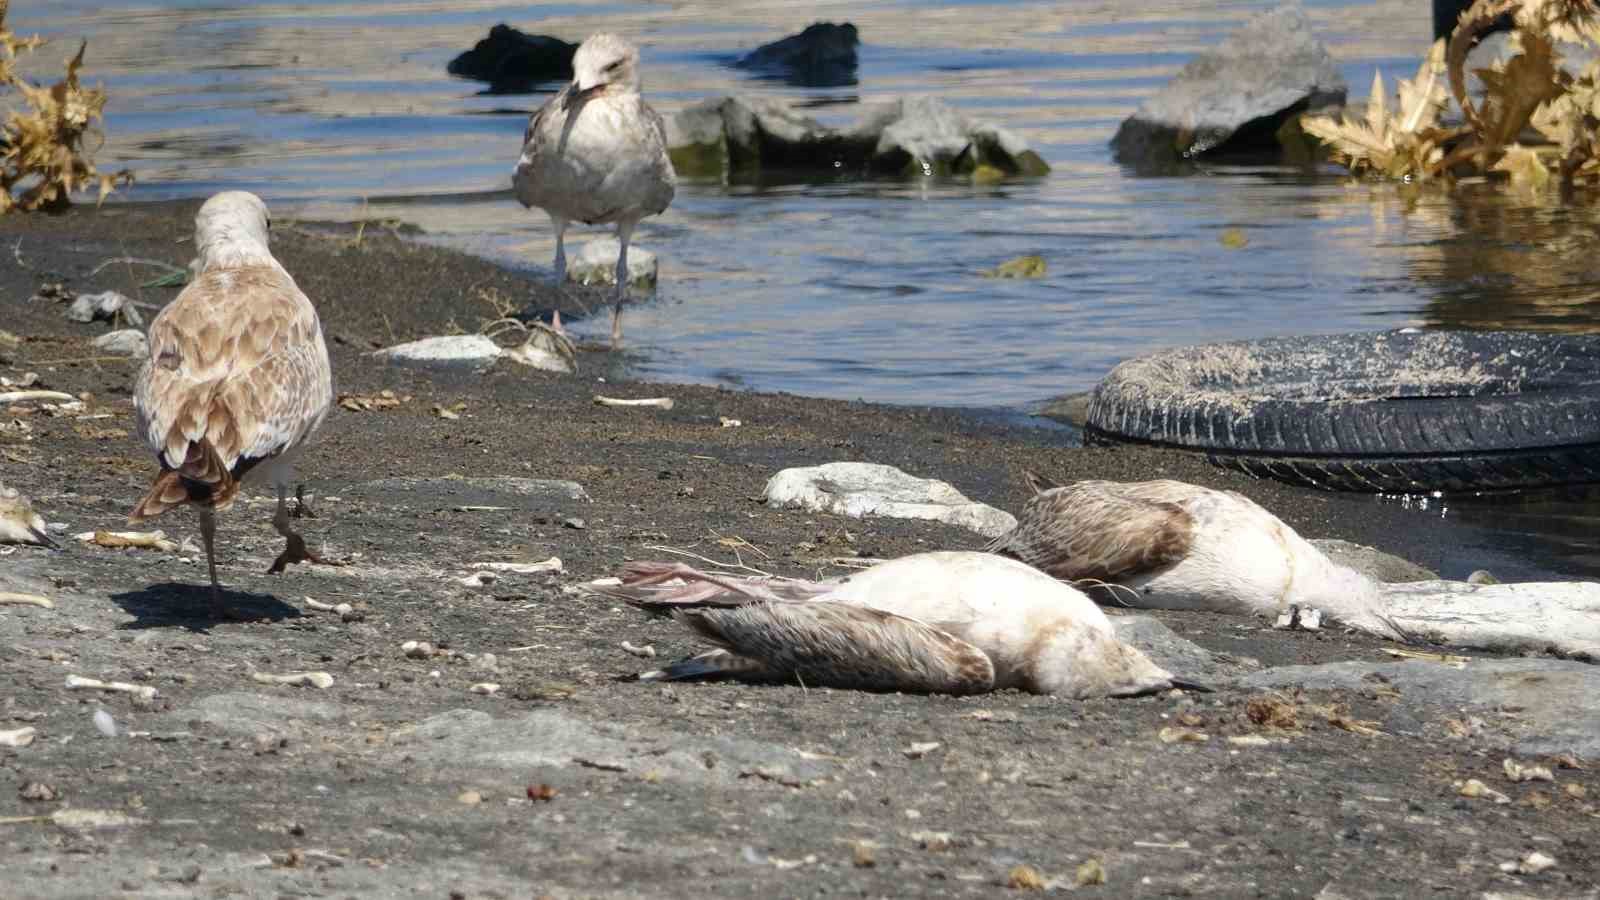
<point>400,781</point>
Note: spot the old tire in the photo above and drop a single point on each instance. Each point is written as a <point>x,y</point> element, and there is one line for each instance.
<point>1391,412</point>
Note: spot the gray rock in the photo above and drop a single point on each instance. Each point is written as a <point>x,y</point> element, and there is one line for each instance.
<point>915,136</point>
<point>1235,97</point>
<point>283,715</point>
<point>596,263</point>
<point>452,491</point>
<point>106,305</point>
<point>823,55</point>
<point>868,489</point>
<point>126,342</point>
<point>1373,563</point>
<point>1072,409</point>
<point>461,739</point>
<point>464,351</point>
<point>1528,706</point>
<point>1180,656</point>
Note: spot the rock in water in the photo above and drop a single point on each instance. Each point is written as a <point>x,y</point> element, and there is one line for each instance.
<point>512,61</point>
<point>1235,98</point>
<point>824,55</point>
<point>596,263</point>
<point>915,136</point>
<point>868,489</point>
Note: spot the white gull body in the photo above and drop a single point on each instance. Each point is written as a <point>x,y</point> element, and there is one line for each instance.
<point>597,153</point>
<point>1172,545</point>
<point>942,622</point>
<point>19,522</point>
<point>237,380</point>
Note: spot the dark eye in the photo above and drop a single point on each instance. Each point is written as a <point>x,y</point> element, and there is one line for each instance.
<point>614,66</point>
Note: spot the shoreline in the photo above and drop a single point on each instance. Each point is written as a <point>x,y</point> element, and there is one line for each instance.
<point>400,779</point>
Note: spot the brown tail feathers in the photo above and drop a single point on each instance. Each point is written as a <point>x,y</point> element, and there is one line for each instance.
<point>203,478</point>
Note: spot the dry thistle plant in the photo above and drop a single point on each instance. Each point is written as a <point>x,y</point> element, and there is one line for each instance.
<point>1536,120</point>
<point>42,154</point>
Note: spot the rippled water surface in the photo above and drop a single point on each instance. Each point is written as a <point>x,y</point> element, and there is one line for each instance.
<point>342,108</point>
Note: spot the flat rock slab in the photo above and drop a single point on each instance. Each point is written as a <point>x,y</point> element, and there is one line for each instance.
<point>125,342</point>
<point>1372,562</point>
<point>436,493</point>
<point>869,489</point>
<point>1529,706</point>
<point>455,351</point>
<point>280,714</point>
<point>1178,655</point>
<point>461,739</point>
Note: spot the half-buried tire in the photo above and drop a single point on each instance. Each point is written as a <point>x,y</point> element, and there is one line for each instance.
<point>1386,412</point>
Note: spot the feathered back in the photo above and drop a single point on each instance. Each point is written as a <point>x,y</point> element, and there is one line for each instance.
<point>1101,530</point>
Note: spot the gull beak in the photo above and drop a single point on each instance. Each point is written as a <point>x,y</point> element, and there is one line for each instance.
<point>578,94</point>
<point>42,537</point>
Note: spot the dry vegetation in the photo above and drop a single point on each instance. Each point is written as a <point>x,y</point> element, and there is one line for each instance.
<point>1534,125</point>
<point>43,157</point>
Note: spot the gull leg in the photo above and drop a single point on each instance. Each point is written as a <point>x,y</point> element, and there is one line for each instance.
<point>294,549</point>
<point>302,509</point>
<point>560,225</point>
<point>624,233</point>
<point>208,535</point>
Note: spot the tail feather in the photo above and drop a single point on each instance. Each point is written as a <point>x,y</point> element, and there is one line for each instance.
<point>203,478</point>
<point>1038,483</point>
<point>665,586</point>
<point>711,665</point>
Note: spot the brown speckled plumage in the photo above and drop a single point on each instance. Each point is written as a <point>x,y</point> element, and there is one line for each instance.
<point>1101,530</point>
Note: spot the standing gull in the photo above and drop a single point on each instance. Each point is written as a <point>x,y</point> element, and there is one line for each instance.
<point>597,154</point>
<point>237,378</point>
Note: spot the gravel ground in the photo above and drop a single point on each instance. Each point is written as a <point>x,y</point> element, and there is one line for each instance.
<point>399,780</point>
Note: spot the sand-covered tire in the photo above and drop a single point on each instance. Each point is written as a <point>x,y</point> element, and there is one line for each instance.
<point>1383,412</point>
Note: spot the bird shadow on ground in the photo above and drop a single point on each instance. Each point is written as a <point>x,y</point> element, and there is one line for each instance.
<point>190,606</point>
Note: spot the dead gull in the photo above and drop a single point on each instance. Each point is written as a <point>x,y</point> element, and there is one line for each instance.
<point>237,379</point>
<point>19,523</point>
<point>943,622</point>
<point>1172,545</point>
<point>597,153</point>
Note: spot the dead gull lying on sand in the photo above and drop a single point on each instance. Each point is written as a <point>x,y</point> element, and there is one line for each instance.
<point>597,153</point>
<point>19,523</point>
<point>237,379</point>
<point>944,622</point>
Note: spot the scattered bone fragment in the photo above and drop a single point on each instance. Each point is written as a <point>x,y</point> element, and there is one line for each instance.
<point>1472,788</point>
<point>1516,771</point>
<point>104,724</point>
<point>346,612</point>
<point>553,564</point>
<point>150,540</point>
<point>479,579</point>
<point>17,737</point>
<point>648,651</point>
<point>920,749</point>
<point>79,683</point>
<point>12,599</point>
<point>1302,618</point>
<point>729,423</point>
<point>1532,864</point>
<point>319,680</point>
<point>485,687</point>
<point>31,396</point>
<point>657,402</point>
<point>417,649</point>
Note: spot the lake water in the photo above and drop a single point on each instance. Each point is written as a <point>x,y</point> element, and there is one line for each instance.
<point>342,108</point>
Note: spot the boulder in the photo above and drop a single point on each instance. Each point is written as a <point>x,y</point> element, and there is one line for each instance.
<point>867,489</point>
<point>513,61</point>
<point>1235,98</point>
<point>1372,562</point>
<point>914,136</point>
<point>456,351</point>
<point>1528,706</point>
<point>596,263</point>
<point>824,55</point>
<point>126,342</point>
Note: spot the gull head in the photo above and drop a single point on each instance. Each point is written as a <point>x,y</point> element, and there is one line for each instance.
<point>231,229</point>
<point>19,524</point>
<point>604,61</point>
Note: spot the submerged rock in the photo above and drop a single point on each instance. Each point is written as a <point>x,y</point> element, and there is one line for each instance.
<point>512,60</point>
<point>1235,98</point>
<point>868,489</point>
<point>127,342</point>
<point>596,263</point>
<point>471,351</point>
<point>824,55</point>
<point>743,137</point>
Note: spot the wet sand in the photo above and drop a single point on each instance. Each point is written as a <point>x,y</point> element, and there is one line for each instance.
<point>399,781</point>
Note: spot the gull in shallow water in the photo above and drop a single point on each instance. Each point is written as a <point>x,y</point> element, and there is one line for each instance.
<point>597,153</point>
<point>19,523</point>
<point>237,379</point>
<point>1173,545</point>
<point>943,622</point>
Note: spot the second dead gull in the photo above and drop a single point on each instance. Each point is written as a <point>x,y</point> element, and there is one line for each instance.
<point>597,153</point>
